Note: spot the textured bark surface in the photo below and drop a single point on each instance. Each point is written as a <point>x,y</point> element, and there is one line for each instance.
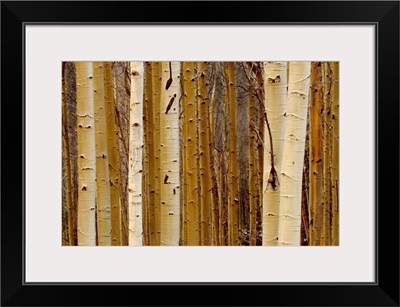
<point>316,155</point>
<point>113,155</point>
<point>233,196</point>
<point>135,155</point>
<point>87,155</point>
<point>335,152</point>
<point>206,199</point>
<point>293,154</point>
<point>102,164</point>
<point>275,87</point>
<point>190,179</point>
<point>253,168</point>
<point>169,154</point>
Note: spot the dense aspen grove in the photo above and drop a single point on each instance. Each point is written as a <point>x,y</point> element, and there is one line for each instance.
<point>200,153</point>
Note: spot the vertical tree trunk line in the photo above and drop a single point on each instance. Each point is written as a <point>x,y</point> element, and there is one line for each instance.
<point>102,165</point>
<point>169,154</point>
<point>293,154</point>
<point>113,155</point>
<point>67,161</point>
<point>232,165</point>
<point>275,87</point>
<point>316,155</point>
<point>86,155</point>
<point>190,180</point>
<point>334,66</point>
<point>135,193</point>
<point>204,150</point>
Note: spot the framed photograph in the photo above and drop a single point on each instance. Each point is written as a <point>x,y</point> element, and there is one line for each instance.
<point>200,148</point>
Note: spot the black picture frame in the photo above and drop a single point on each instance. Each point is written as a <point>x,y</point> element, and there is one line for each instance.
<point>384,292</point>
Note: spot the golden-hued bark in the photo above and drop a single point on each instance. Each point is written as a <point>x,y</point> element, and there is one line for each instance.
<point>206,199</point>
<point>293,154</point>
<point>113,155</point>
<point>86,155</point>
<point>135,155</point>
<point>148,180</point>
<point>169,154</point>
<point>233,198</point>
<point>327,154</point>
<point>102,169</point>
<point>215,216</point>
<point>335,152</point>
<point>275,88</point>
<point>191,208</point>
<point>316,160</point>
<point>155,172</point>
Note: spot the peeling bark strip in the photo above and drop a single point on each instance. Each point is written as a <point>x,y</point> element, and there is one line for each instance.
<point>86,149</point>
<point>169,157</point>
<point>135,155</point>
<point>275,88</point>
<point>293,154</point>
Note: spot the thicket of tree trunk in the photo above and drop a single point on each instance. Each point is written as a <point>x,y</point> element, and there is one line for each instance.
<point>200,153</point>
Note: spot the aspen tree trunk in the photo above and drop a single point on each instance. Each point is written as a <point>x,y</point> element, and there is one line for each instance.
<point>145,169</point>
<point>147,154</point>
<point>253,178</point>
<point>183,148</point>
<point>102,169</point>
<point>191,201</point>
<point>327,149</point>
<point>71,119</point>
<point>260,148</point>
<point>316,155</point>
<point>67,160</point>
<point>113,156</point>
<point>224,219</point>
<point>122,100</point>
<point>206,199</point>
<point>156,187</point>
<point>233,161</point>
<point>169,153</point>
<point>135,155</point>
<point>215,182</point>
<point>335,152</point>
<point>275,88</point>
<point>86,155</point>
<point>293,154</point>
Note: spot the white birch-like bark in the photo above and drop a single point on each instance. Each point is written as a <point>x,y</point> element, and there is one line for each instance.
<point>293,154</point>
<point>135,155</point>
<point>275,88</point>
<point>169,155</point>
